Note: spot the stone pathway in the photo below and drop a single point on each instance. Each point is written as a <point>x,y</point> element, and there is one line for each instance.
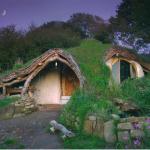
<point>31,130</point>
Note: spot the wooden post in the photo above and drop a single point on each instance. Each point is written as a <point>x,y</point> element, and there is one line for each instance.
<point>4,91</point>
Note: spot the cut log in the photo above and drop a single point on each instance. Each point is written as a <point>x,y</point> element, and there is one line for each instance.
<point>60,127</point>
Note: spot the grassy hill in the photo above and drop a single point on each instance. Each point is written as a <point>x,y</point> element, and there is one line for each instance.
<point>98,94</point>
<point>90,57</point>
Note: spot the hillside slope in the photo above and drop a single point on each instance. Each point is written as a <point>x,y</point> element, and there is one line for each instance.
<point>98,94</point>
<point>90,57</point>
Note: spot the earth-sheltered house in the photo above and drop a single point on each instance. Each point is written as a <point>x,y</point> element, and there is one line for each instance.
<point>55,75</point>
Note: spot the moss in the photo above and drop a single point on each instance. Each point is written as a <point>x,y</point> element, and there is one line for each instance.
<point>16,67</point>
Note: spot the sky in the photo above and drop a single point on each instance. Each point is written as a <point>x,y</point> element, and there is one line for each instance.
<point>22,13</point>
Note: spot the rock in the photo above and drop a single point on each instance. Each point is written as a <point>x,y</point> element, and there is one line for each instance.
<point>126,106</point>
<point>138,125</point>
<point>129,107</point>
<point>125,126</point>
<point>29,107</point>
<point>118,101</point>
<point>7,112</point>
<point>92,118</point>
<point>137,133</point>
<point>26,112</point>
<point>109,129</point>
<point>115,117</point>
<point>123,120</point>
<point>77,119</point>
<point>123,136</point>
<point>88,126</point>
<point>18,115</point>
<point>99,129</point>
<point>19,108</point>
<point>136,119</point>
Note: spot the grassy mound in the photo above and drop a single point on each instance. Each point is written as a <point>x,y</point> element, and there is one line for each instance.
<point>97,95</point>
<point>90,56</point>
<point>94,98</point>
<point>138,91</point>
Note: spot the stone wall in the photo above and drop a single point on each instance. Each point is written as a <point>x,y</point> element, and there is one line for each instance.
<point>118,130</point>
<point>21,107</point>
<point>94,125</point>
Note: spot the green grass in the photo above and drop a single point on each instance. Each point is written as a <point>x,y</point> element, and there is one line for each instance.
<point>7,100</point>
<point>138,91</point>
<point>84,141</point>
<point>90,56</point>
<point>11,143</point>
<point>83,103</point>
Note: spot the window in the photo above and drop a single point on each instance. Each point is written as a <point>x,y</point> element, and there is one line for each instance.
<point>122,70</point>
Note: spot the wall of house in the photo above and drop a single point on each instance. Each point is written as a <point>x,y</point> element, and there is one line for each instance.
<point>54,85</point>
<point>47,88</point>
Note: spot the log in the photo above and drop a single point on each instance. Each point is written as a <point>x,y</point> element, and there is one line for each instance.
<point>60,127</point>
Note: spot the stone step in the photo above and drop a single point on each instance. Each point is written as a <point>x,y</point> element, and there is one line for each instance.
<point>50,107</point>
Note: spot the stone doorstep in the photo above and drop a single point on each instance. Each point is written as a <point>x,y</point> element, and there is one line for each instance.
<point>28,107</point>
<point>28,104</point>
<point>19,104</point>
<point>18,115</point>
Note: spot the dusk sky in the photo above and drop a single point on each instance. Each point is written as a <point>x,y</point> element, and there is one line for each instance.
<point>24,12</point>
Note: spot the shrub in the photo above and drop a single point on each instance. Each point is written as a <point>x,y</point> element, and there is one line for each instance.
<point>17,66</point>
<point>138,90</point>
<point>82,104</point>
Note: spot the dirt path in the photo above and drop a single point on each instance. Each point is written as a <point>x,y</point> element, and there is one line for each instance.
<point>31,130</point>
